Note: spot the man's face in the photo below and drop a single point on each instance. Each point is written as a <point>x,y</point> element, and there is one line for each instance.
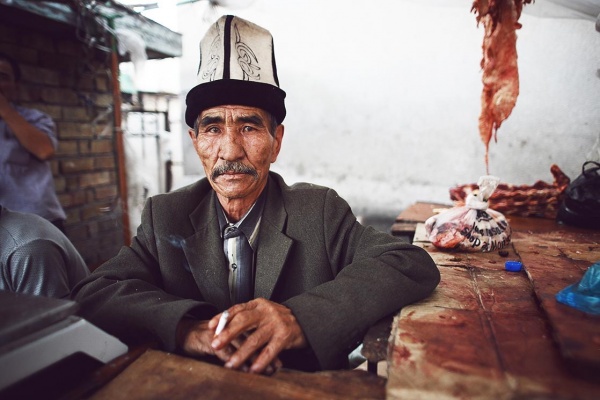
<point>8,85</point>
<point>236,149</point>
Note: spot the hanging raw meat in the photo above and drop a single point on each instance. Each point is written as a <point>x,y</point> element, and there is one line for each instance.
<point>499,64</point>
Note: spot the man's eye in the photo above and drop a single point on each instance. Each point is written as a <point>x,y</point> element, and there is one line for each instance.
<point>248,128</point>
<point>212,130</point>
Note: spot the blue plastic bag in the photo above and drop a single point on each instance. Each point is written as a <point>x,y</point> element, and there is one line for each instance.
<point>585,295</point>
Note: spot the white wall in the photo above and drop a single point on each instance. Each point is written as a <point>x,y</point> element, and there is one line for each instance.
<point>383,96</point>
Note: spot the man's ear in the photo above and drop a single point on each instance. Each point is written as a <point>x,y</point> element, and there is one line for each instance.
<point>279,131</point>
<point>192,133</point>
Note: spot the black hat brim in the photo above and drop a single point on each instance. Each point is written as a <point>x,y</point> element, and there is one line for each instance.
<point>234,92</point>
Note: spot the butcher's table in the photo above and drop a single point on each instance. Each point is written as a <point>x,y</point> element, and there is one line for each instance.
<point>484,333</point>
<point>487,333</point>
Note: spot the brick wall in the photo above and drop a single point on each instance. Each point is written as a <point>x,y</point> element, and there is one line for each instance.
<point>72,83</point>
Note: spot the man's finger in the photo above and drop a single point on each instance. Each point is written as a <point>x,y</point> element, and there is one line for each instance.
<point>241,321</point>
<point>250,346</point>
<point>225,353</point>
<point>267,357</point>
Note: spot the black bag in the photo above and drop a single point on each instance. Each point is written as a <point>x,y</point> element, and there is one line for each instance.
<point>581,203</point>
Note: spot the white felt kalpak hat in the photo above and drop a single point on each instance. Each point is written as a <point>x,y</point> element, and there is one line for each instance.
<point>237,66</point>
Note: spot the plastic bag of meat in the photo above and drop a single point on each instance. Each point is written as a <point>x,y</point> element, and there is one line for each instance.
<point>472,227</point>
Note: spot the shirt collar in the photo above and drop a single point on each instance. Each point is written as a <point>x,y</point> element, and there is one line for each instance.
<point>248,222</point>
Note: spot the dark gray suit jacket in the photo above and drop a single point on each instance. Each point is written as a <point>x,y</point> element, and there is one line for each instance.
<point>337,276</point>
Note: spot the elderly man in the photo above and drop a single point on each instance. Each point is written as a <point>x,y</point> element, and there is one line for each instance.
<point>300,278</point>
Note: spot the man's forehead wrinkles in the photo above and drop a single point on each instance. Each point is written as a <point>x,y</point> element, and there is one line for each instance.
<point>242,117</point>
<point>232,110</point>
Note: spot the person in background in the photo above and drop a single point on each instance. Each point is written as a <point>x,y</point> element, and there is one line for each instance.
<point>36,257</point>
<point>27,141</point>
<point>300,278</point>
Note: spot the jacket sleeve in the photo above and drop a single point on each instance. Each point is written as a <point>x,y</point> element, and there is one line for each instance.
<point>38,268</point>
<point>125,296</point>
<point>376,274</point>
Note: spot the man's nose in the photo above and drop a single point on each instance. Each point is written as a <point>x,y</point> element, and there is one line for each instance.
<point>231,148</point>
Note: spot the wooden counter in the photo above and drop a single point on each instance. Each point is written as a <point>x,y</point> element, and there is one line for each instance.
<point>160,375</point>
<point>484,333</point>
<point>487,333</point>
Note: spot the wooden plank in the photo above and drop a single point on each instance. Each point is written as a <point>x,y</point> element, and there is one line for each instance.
<point>444,258</point>
<point>486,290</point>
<point>463,288</point>
<point>406,222</point>
<point>456,290</point>
<point>554,261</point>
<point>505,292</point>
<point>160,375</point>
<point>442,353</point>
<point>348,384</point>
<point>420,211</point>
<point>532,224</point>
<point>403,229</point>
<point>491,288</point>
<point>532,363</point>
<point>480,335</point>
<point>572,245</point>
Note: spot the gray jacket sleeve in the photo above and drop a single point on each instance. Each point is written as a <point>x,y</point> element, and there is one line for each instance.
<point>375,275</point>
<point>125,296</point>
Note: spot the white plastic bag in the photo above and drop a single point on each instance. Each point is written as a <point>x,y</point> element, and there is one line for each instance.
<point>472,227</point>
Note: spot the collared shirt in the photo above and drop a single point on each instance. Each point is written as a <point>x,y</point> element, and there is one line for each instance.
<point>26,183</point>
<point>240,250</point>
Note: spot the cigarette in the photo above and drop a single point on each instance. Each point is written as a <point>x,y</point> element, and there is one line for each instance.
<point>222,322</point>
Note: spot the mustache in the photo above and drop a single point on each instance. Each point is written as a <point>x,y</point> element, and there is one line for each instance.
<point>233,166</point>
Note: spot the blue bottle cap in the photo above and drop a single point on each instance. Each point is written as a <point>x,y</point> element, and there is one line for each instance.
<point>513,266</point>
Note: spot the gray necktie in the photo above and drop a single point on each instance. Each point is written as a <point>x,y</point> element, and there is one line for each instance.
<point>241,265</point>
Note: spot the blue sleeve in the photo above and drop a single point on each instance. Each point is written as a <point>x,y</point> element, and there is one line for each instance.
<point>42,121</point>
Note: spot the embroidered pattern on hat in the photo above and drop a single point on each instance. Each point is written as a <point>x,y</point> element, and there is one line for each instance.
<point>211,66</point>
<point>246,58</point>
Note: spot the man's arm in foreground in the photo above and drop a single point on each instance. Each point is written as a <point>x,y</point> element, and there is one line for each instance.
<point>377,275</point>
<point>31,137</point>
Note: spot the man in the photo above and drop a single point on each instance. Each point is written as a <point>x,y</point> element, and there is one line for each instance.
<point>27,141</point>
<point>36,257</point>
<point>300,278</point>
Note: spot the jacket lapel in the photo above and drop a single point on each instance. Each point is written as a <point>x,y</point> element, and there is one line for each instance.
<point>273,244</point>
<point>204,249</point>
<point>204,253</point>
